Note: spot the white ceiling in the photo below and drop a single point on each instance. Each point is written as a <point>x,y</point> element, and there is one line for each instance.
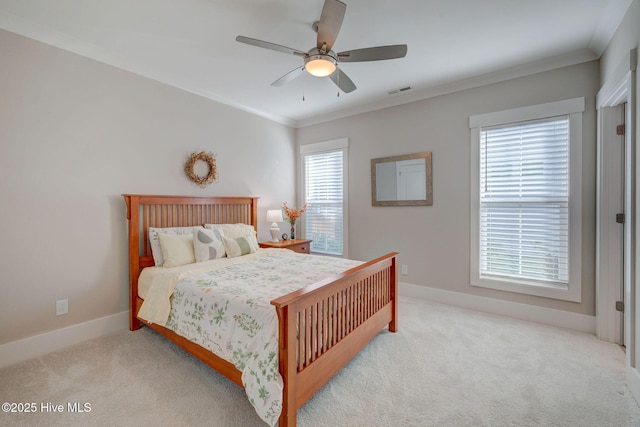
<point>191,44</point>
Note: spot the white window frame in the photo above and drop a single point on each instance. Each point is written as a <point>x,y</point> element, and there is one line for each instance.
<point>322,147</point>
<point>574,109</point>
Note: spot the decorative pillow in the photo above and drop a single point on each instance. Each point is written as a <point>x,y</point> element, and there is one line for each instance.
<point>233,231</point>
<point>207,244</point>
<point>156,251</point>
<point>176,249</point>
<point>240,246</point>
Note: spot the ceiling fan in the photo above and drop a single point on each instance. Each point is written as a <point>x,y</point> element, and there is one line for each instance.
<point>322,61</point>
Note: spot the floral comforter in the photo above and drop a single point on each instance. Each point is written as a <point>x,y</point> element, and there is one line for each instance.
<point>227,310</point>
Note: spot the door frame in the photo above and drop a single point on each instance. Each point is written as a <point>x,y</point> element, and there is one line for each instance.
<point>621,88</point>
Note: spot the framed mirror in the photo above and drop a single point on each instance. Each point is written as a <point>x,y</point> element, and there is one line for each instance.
<point>402,180</point>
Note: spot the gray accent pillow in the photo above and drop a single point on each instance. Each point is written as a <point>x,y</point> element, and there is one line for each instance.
<point>207,244</point>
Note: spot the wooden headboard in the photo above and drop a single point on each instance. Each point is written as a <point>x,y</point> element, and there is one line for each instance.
<point>144,211</point>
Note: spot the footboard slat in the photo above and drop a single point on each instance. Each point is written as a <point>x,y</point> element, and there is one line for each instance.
<point>308,338</point>
<point>301,339</point>
<point>314,331</point>
<point>334,323</point>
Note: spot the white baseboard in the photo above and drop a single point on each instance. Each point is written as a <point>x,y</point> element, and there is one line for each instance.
<point>28,348</point>
<point>533,313</point>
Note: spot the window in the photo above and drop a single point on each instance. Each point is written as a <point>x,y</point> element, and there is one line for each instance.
<point>324,169</point>
<point>526,200</point>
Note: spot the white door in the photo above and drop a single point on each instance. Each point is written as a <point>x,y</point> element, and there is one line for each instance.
<point>610,252</point>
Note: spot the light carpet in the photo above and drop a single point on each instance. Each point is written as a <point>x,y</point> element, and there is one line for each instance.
<point>445,367</point>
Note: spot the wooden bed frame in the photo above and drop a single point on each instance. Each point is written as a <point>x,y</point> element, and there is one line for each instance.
<point>321,327</point>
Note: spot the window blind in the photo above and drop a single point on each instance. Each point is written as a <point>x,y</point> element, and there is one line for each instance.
<point>324,189</point>
<point>524,201</point>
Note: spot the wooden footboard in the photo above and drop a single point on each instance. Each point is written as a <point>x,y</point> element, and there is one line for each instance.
<point>321,328</point>
<point>324,325</point>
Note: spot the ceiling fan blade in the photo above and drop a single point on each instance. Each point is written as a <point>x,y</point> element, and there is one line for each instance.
<point>268,45</point>
<point>342,81</point>
<point>330,23</point>
<point>373,53</point>
<point>289,76</point>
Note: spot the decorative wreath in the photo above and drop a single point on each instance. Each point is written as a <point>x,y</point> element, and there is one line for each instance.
<point>202,181</point>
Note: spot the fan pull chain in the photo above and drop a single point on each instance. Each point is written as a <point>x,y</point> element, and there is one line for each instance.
<point>338,80</point>
<point>303,92</point>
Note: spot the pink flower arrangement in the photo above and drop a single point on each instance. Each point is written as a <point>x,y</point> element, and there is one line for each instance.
<point>292,213</point>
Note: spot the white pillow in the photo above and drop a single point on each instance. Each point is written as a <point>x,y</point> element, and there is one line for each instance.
<point>176,249</point>
<point>240,246</point>
<point>233,231</point>
<point>207,244</point>
<point>156,251</point>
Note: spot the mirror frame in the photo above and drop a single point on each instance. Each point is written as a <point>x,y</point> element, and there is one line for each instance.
<point>426,155</point>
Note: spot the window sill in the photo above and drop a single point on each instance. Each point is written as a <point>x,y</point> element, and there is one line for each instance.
<point>560,292</point>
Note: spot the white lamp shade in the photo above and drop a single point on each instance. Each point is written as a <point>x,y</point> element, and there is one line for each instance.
<point>274,215</point>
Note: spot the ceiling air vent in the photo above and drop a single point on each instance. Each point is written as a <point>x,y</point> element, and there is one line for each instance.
<point>402,89</point>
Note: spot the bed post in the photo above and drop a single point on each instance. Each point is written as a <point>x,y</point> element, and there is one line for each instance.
<point>134,258</point>
<point>254,213</point>
<point>393,325</point>
<point>287,364</point>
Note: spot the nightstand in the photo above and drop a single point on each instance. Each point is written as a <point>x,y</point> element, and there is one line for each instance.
<point>302,246</point>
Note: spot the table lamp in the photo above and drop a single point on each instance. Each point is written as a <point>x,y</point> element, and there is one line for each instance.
<point>274,217</point>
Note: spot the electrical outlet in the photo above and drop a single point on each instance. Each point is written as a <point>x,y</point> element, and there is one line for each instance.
<point>404,269</point>
<point>62,307</point>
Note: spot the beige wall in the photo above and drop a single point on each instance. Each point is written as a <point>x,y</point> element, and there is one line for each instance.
<point>74,135</point>
<point>434,241</point>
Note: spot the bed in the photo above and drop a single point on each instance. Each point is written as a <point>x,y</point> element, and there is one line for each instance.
<point>319,327</point>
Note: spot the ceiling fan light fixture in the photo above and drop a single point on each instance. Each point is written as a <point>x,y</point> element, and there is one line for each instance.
<point>322,61</point>
<point>320,65</point>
